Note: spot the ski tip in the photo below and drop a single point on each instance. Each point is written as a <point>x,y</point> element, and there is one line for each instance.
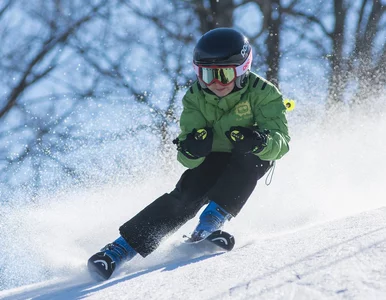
<point>100,267</point>
<point>222,239</point>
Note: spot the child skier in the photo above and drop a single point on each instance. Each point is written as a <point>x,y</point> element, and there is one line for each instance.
<point>233,127</point>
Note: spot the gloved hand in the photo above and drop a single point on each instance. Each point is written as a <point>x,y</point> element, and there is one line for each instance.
<point>197,144</point>
<point>246,140</point>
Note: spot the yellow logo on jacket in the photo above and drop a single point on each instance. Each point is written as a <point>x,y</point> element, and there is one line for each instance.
<point>243,109</point>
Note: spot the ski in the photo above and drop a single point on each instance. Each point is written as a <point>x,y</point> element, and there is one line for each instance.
<point>220,238</point>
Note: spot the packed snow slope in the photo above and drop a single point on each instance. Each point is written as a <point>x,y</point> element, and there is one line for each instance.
<point>318,231</point>
<point>338,259</point>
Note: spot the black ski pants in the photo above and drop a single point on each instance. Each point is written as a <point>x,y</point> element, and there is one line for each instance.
<point>225,178</point>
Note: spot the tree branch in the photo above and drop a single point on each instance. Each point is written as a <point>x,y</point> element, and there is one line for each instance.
<point>47,47</point>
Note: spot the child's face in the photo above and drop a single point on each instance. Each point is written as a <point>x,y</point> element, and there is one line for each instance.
<point>221,90</point>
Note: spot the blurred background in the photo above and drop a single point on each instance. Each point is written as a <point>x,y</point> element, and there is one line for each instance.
<point>84,83</point>
<point>90,98</point>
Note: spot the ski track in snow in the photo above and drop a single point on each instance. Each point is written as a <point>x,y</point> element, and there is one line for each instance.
<point>340,259</point>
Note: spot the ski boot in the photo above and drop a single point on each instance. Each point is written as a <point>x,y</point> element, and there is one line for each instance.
<point>102,264</point>
<point>211,220</point>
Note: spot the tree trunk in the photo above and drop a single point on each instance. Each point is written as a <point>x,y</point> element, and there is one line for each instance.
<point>337,79</point>
<point>218,14</point>
<point>273,17</point>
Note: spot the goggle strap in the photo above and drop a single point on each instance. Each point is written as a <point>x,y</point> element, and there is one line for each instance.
<point>240,70</point>
<point>196,69</point>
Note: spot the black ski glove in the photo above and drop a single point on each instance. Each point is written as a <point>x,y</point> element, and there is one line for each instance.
<point>197,144</point>
<point>246,140</point>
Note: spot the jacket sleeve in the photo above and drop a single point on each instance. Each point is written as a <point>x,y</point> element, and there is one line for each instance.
<point>270,115</point>
<point>191,118</point>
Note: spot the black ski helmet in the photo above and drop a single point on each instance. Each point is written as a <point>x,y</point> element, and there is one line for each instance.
<point>224,47</point>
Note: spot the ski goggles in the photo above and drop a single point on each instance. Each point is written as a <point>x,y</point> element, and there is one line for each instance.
<point>224,75</point>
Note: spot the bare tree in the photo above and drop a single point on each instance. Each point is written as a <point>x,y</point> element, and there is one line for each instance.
<point>369,50</point>
<point>74,65</point>
<point>33,53</point>
<point>213,14</point>
<point>356,56</point>
<point>271,29</point>
<point>167,59</point>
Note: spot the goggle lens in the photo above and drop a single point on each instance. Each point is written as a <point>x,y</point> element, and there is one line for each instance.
<point>222,75</point>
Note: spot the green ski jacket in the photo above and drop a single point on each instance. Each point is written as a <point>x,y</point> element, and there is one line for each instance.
<point>259,103</point>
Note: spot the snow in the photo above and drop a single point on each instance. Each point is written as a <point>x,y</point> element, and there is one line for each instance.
<point>340,259</point>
